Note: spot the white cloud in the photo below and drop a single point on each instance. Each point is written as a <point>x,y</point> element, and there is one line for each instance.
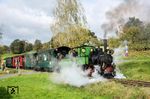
<point>25,21</point>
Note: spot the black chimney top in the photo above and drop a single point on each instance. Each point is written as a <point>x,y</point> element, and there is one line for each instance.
<point>105,45</point>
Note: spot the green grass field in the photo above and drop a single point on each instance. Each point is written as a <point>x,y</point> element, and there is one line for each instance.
<point>138,66</point>
<point>40,86</point>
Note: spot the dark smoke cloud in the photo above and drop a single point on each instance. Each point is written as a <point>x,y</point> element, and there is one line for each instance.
<point>120,14</point>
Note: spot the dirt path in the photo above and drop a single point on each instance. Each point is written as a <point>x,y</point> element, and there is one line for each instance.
<point>16,74</point>
<point>133,82</point>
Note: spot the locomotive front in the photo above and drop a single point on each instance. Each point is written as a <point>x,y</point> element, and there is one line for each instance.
<point>107,65</point>
<point>104,59</point>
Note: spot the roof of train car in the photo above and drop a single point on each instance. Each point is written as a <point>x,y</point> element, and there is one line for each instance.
<point>84,46</point>
<point>41,51</point>
<point>32,52</point>
<point>14,55</point>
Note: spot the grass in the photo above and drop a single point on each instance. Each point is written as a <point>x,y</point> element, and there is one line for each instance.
<point>136,70</point>
<point>118,91</point>
<point>12,71</point>
<point>138,67</point>
<point>39,86</point>
<point>138,55</point>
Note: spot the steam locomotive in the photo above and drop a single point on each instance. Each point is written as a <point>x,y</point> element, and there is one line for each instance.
<point>85,56</point>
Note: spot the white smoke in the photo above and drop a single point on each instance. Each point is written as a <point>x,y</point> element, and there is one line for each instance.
<point>118,55</point>
<point>72,74</point>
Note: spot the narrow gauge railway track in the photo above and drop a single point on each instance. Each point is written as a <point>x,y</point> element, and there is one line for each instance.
<point>132,82</point>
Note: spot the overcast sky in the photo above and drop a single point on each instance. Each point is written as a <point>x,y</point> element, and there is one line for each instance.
<point>31,19</point>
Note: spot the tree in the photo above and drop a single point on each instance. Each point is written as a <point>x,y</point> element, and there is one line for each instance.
<point>4,49</point>
<point>0,49</point>
<point>17,46</point>
<point>134,22</point>
<point>37,45</point>
<point>75,39</point>
<point>0,40</point>
<point>146,36</point>
<point>70,26</point>
<point>114,42</point>
<point>28,47</point>
<point>46,45</point>
<point>137,33</point>
<point>68,14</point>
<point>20,46</point>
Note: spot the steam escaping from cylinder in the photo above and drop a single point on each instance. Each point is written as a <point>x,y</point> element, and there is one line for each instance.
<point>72,74</point>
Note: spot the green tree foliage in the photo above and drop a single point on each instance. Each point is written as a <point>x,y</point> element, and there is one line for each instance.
<point>17,47</point>
<point>37,45</point>
<point>46,45</point>
<point>75,39</point>
<point>146,37</point>
<point>0,48</point>
<point>28,47</point>
<point>70,26</point>
<point>4,49</point>
<point>114,42</point>
<point>137,33</point>
<point>20,46</point>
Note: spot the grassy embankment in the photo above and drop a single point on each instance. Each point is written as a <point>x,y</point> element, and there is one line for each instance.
<point>39,86</point>
<point>138,66</point>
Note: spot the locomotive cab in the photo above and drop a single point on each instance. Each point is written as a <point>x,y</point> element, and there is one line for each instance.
<point>61,52</point>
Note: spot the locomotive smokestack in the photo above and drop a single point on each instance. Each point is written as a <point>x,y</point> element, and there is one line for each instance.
<point>105,45</point>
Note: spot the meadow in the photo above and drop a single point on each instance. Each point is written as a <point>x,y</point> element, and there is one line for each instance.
<point>40,86</point>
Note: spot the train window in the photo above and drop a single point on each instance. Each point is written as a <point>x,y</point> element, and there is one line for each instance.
<point>40,58</point>
<point>45,57</point>
<point>8,61</point>
<point>83,50</point>
<point>49,57</point>
<point>37,58</point>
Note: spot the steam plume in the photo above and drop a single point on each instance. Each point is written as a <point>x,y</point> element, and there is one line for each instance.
<point>117,17</point>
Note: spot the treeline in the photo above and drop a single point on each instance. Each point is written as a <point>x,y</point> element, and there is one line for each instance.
<point>136,32</point>
<point>22,46</point>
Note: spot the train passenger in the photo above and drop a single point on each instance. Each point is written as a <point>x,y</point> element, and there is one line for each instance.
<point>90,70</point>
<point>60,56</point>
<point>126,50</point>
<point>3,65</point>
<point>73,53</point>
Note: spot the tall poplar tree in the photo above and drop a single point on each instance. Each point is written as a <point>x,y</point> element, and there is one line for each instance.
<point>70,26</point>
<point>68,14</point>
